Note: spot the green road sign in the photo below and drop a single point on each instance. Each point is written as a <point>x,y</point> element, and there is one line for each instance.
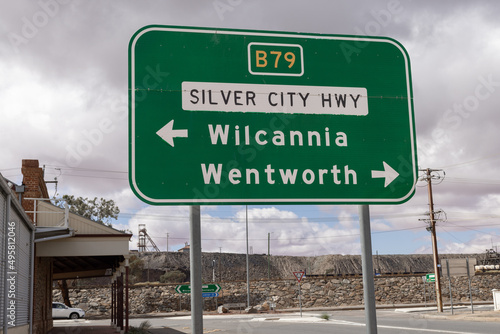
<point>206,288</point>
<point>183,289</point>
<point>430,277</point>
<point>229,116</point>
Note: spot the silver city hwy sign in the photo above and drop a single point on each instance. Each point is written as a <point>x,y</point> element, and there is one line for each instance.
<point>222,116</point>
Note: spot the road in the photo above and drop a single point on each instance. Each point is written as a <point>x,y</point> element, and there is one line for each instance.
<point>345,322</point>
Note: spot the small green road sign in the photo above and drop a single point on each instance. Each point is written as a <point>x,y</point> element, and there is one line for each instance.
<point>430,278</point>
<point>211,288</point>
<point>184,288</point>
<point>206,288</point>
<point>222,116</point>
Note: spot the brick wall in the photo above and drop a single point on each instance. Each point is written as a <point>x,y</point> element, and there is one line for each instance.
<point>35,187</point>
<point>34,183</point>
<point>42,296</point>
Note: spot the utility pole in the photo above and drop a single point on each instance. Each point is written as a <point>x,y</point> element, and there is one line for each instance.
<point>167,242</point>
<point>213,271</point>
<point>432,227</point>
<point>268,256</point>
<point>220,260</point>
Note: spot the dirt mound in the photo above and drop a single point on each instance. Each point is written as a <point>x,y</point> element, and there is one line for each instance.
<point>232,267</point>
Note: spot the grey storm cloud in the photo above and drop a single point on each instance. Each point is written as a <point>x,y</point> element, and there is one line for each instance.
<point>64,71</point>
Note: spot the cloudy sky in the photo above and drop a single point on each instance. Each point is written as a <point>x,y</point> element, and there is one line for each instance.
<point>63,101</point>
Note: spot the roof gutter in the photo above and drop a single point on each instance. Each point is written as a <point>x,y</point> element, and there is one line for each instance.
<point>71,233</point>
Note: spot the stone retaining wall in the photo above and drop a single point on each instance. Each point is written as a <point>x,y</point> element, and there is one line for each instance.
<point>316,292</point>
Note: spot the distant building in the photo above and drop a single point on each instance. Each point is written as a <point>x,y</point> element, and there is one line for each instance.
<point>184,249</point>
<point>53,243</point>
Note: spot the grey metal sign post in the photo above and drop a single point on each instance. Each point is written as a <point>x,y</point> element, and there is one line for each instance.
<point>425,294</point>
<point>300,300</point>
<point>461,267</point>
<point>195,264</point>
<point>470,286</point>
<point>299,275</point>
<point>449,284</point>
<point>367,267</point>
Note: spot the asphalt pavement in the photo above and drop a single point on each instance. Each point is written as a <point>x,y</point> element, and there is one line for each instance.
<point>482,312</point>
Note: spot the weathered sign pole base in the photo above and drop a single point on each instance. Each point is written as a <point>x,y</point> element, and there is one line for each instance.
<point>367,266</point>
<point>195,264</point>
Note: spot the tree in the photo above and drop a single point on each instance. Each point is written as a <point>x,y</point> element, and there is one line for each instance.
<point>136,268</point>
<point>63,286</point>
<point>99,210</point>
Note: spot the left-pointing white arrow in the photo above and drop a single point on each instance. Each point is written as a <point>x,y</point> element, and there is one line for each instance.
<point>388,173</point>
<point>167,133</point>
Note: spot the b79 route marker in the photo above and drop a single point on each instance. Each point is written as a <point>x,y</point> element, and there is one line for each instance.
<point>232,116</point>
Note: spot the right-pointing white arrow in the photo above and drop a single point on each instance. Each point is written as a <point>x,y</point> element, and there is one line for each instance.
<point>167,133</point>
<point>388,173</point>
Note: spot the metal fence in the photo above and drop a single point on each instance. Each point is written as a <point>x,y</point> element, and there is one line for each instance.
<point>16,259</point>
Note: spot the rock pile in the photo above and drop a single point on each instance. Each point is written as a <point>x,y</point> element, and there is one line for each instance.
<point>282,294</point>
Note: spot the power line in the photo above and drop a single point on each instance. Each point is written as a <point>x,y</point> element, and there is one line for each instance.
<point>463,242</point>
<point>494,155</point>
<point>297,238</point>
<point>471,229</point>
<point>93,176</point>
<point>449,178</point>
<point>8,169</point>
<point>88,169</point>
<point>472,181</point>
<point>321,237</point>
<point>232,220</point>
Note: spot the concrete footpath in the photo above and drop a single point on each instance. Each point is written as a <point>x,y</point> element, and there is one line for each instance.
<point>482,312</point>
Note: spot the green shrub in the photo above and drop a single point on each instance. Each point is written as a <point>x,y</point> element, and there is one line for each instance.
<point>142,329</point>
<point>175,276</point>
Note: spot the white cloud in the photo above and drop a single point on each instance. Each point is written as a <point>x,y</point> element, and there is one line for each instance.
<point>71,78</point>
<point>290,234</point>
